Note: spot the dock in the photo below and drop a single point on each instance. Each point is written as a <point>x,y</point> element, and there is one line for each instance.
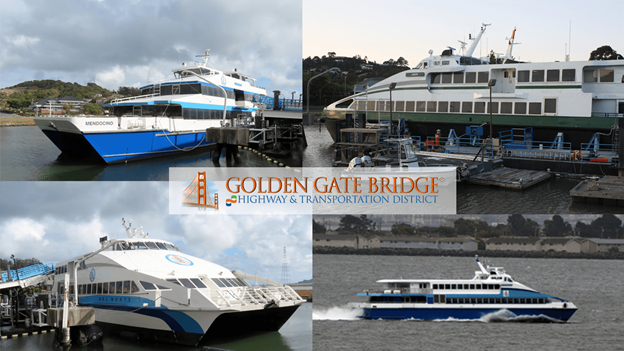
<point>510,178</point>
<point>608,190</point>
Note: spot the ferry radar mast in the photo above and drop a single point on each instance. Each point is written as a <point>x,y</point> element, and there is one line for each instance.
<point>473,46</point>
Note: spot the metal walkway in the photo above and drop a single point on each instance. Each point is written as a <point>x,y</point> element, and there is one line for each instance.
<point>25,277</point>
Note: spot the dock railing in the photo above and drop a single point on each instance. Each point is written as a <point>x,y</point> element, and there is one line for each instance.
<point>459,145</point>
<point>26,272</point>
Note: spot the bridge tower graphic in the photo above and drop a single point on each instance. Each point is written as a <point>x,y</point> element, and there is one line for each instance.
<point>197,193</point>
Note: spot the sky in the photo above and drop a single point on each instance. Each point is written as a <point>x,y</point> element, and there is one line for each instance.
<point>118,42</point>
<point>55,221</point>
<point>411,28</point>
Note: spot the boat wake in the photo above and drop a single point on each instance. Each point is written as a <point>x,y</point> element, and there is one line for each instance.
<point>337,313</point>
<point>505,316</point>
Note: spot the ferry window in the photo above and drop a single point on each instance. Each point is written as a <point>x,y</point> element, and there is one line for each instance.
<point>479,107</point>
<point>458,77</point>
<point>241,282</point>
<point>552,75</point>
<point>494,107</point>
<point>140,246</point>
<point>187,283</point>
<point>498,300</point>
<point>165,90</point>
<point>535,108</point>
<point>516,300</point>
<point>126,287</point>
<point>88,292</point>
<point>409,106</point>
<point>590,76</point>
<point>443,106</point>
<point>484,77</point>
<point>506,107</point>
<point>435,286</point>
<point>473,300</point>
<point>448,300</point>
<point>94,288</point>
<point>399,106</point>
<point>431,106</point>
<point>606,75</point>
<point>198,283</point>
<point>133,287</point>
<point>420,106</point>
<point>522,300</point>
<point>506,74</point>
<point>479,300</point>
<point>491,300</point>
<point>520,108</point>
<point>455,106</point>
<point>538,75</point>
<point>523,76</point>
<point>454,286</point>
<point>111,287</point>
<point>466,286</point>
<point>447,286</point>
<point>436,78</point>
<point>218,282</point>
<point>447,78</point>
<point>435,299</point>
<point>104,288</point>
<point>445,63</point>
<point>455,300</point>
<point>174,281</point>
<point>568,75</point>
<point>175,89</point>
<point>533,300</point>
<point>118,287</point>
<point>459,286</point>
<point>550,105</point>
<point>472,286</point>
<point>478,286</point>
<point>540,300</point>
<point>419,65</point>
<point>99,288</point>
<point>496,286</point>
<point>467,107</point>
<point>471,77</point>
<point>161,246</point>
<point>151,245</point>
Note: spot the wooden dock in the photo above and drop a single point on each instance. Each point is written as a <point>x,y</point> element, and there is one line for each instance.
<point>510,178</point>
<point>608,190</point>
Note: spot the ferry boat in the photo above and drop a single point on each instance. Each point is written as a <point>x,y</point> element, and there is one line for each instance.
<point>451,91</point>
<point>148,287</point>
<point>169,117</point>
<point>491,291</point>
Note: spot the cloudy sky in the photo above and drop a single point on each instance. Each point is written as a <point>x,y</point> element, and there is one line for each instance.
<point>410,28</point>
<point>54,221</point>
<point>118,42</point>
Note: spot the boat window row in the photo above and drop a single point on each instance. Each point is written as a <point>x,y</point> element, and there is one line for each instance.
<point>599,76</point>
<point>460,77</point>
<point>398,299</point>
<point>229,282</point>
<point>60,269</point>
<point>550,75</point>
<point>501,300</point>
<point>505,107</point>
<point>144,245</point>
<point>466,286</point>
<point>197,113</point>
<point>190,283</point>
<point>117,287</point>
<point>183,89</point>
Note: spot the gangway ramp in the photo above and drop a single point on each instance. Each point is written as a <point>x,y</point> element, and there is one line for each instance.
<point>25,277</point>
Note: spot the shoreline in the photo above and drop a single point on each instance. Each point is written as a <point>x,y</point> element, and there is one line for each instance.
<point>458,253</point>
<point>16,121</point>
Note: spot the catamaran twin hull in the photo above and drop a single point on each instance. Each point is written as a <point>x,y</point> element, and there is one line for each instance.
<point>115,146</point>
<point>188,327</point>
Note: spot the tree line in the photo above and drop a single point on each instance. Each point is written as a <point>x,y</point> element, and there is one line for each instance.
<point>607,226</point>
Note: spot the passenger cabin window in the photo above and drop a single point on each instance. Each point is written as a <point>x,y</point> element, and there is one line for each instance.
<point>550,105</point>
<point>606,75</point>
<point>552,75</point>
<point>454,107</point>
<point>520,108</point>
<point>538,75</point>
<point>523,76</point>
<point>535,108</point>
<point>471,77</point>
<point>458,77</point>
<point>590,76</point>
<point>484,77</point>
<point>568,75</point>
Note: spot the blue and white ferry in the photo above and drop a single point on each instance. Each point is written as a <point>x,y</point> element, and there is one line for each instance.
<point>491,292</point>
<point>169,117</point>
<point>149,288</point>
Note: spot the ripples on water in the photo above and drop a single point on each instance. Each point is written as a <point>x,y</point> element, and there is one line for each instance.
<point>593,285</point>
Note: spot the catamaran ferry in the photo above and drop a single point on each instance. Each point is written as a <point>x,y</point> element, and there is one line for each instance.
<point>490,291</point>
<point>149,288</point>
<point>451,91</point>
<point>169,117</point>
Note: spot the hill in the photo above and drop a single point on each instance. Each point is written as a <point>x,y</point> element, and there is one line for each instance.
<point>353,70</point>
<point>17,98</point>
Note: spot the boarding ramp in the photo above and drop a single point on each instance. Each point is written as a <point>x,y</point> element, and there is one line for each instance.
<point>25,277</point>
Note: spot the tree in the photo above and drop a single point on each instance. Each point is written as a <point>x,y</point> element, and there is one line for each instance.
<point>318,227</point>
<point>352,224</point>
<point>67,107</point>
<point>402,62</point>
<point>605,53</point>
<point>516,224</point>
<point>557,227</point>
<point>92,109</point>
<point>606,227</point>
<point>403,229</point>
<point>331,54</point>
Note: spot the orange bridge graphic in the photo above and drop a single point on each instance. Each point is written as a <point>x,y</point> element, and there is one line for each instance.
<point>197,193</point>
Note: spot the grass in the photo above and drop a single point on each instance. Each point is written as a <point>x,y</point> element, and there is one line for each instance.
<point>16,121</point>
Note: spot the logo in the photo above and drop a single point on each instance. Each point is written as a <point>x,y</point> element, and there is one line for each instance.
<point>229,202</point>
<point>198,194</point>
<point>182,261</point>
<point>92,275</point>
<point>223,80</point>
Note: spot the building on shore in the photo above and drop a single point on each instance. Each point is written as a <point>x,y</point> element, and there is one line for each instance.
<point>58,105</point>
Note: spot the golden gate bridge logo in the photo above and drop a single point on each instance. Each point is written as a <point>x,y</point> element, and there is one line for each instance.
<point>197,193</point>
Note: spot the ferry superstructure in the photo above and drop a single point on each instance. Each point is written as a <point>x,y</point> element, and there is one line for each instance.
<point>148,287</point>
<point>491,291</point>
<point>451,91</point>
<point>169,117</point>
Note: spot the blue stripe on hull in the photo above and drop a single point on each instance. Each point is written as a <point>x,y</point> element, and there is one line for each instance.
<point>119,147</point>
<point>464,313</point>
